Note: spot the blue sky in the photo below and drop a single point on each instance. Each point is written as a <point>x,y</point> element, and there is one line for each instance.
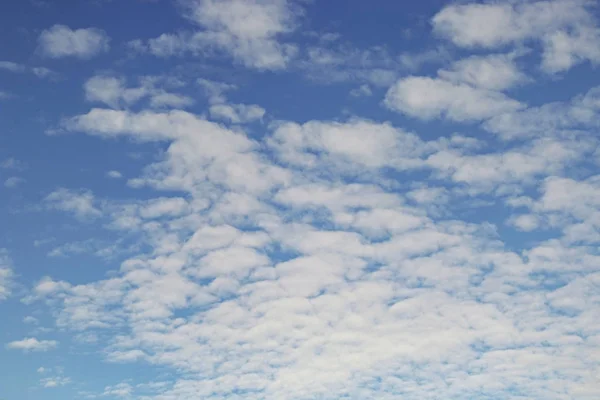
<point>278,199</point>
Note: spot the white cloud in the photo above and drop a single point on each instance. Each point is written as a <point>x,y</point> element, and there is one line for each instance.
<point>61,41</point>
<point>113,174</point>
<point>30,320</point>
<point>495,24</point>
<point>237,113</point>
<point>558,119</point>
<point>123,389</point>
<point>113,92</point>
<point>220,109</point>
<point>43,72</point>
<point>6,275</point>
<point>525,222</point>
<point>566,28</point>
<point>11,66</point>
<point>538,158</point>
<point>493,72</point>
<point>428,98</point>
<point>249,31</point>
<point>335,252</point>
<point>215,90</point>
<point>328,63</point>
<point>200,151</point>
<point>363,90</point>
<point>358,141</point>
<point>46,286</point>
<point>12,163</point>
<point>40,72</point>
<point>80,203</point>
<point>13,181</point>
<point>170,100</point>
<point>565,49</point>
<point>57,381</point>
<point>32,344</point>
<point>413,61</point>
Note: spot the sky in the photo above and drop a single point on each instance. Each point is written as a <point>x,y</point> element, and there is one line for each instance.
<point>299,199</point>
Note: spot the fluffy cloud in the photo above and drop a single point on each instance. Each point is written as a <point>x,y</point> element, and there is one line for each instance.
<point>61,41</point>
<point>364,142</point>
<point>566,28</point>
<point>32,344</point>
<point>113,174</point>
<point>429,98</point>
<point>564,49</point>
<point>248,31</point>
<point>345,257</point>
<point>320,270</point>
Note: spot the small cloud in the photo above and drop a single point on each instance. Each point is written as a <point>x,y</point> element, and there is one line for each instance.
<point>13,181</point>
<point>123,389</point>
<point>361,91</point>
<point>32,344</point>
<point>237,113</point>
<point>80,203</point>
<point>30,320</point>
<point>114,174</point>
<point>11,66</point>
<point>43,72</point>
<point>6,275</point>
<point>525,222</point>
<point>47,286</point>
<point>12,163</point>
<point>61,41</point>
<point>55,381</point>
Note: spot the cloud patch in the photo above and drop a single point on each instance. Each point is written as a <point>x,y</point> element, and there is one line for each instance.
<point>32,344</point>
<point>61,41</point>
<point>430,98</point>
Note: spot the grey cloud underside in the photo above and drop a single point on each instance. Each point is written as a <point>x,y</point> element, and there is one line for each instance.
<point>295,267</point>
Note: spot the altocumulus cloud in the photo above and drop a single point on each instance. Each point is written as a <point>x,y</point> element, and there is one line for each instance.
<point>295,213</point>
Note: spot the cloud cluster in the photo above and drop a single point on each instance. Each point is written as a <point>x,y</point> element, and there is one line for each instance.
<point>344,257</point>
<point>566,29</point>
<point>319,276</point>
